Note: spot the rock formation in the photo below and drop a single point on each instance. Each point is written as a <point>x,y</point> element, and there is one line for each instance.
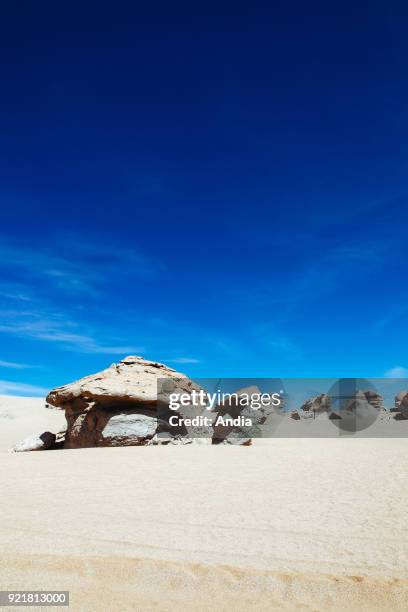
<point>401,405</point>
<point>43,441</point>
<point>317,405</point>
<point>119,406</point>
<point>128,404</point>
<point>375,399</point>
<point>261,419</point>
<point>363,399</point>
<point>357,412</point>
<point>323,403</point>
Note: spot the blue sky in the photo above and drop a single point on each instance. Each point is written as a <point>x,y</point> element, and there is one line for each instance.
<point>219,187</point>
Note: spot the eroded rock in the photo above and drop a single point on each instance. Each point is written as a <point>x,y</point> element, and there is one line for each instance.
<point>317,405</point>
<point>401,405</point>
<point>42,441</point>
<point>235,423</point>
<point>119,406</point>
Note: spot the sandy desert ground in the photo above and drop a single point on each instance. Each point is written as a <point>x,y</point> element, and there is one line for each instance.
<point>21,417</point>
<point>289,524</point>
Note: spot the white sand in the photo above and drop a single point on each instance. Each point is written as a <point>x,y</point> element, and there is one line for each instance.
<point>315,524</point>
<point>21,417</point>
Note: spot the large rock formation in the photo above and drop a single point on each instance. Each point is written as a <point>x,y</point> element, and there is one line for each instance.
<point>119,406</point>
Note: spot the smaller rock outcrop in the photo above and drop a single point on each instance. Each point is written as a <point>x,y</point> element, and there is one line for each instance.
<point>317,405</point>
<point>250,420</point>
<point>401,406</point>
<point>43,441</point>
<point>374,399</point>
<point>362,400</point>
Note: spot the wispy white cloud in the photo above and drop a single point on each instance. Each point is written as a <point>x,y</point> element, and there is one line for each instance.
<point>15,292</point>
<point>397,372</point>
<point>74,266</point>
<point>93,347</point>
<point>9,387</point>
<point>16,366</point>
<point>60,330</point>
<point>183,360</point>
<point>45,300</point>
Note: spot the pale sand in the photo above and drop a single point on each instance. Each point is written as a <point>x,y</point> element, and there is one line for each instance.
<point>21,417</point>
<point>305,524</point>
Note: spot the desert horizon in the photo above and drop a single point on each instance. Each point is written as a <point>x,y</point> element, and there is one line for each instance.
<point>292,521</point>
<point>283,524</point>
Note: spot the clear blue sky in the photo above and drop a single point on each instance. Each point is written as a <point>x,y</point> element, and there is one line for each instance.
<point>219,186</point>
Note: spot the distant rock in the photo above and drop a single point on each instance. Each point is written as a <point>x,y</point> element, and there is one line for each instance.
<point>401,405</point>
<point>401,400</point>
<point>43,441</point>
<point>352,413</point>
<point>295,415</point>
<point>317,405</point>
<point>375,399</point>
<point>357,411</point>
<point>362,400</point>
<point>233,409</point>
